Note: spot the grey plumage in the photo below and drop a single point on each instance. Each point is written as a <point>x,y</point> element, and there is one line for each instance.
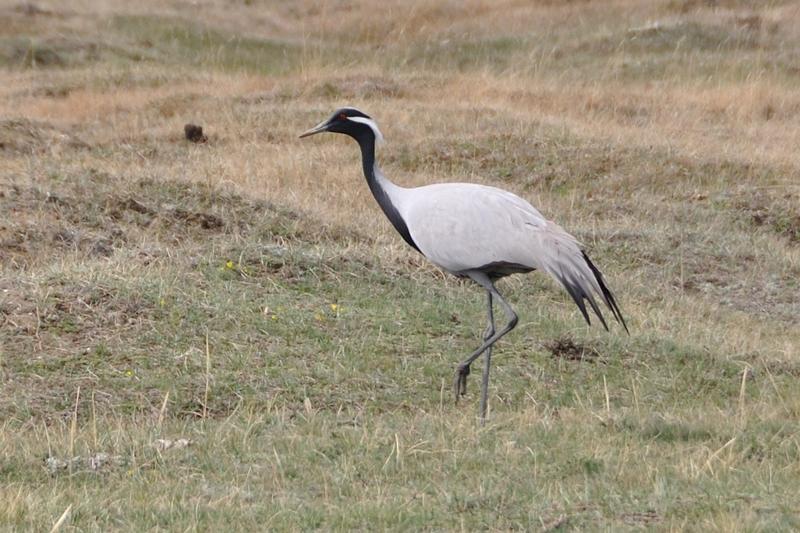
<point>480,232</point>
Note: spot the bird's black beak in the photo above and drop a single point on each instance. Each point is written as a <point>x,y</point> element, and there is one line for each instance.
<point>319,128</point>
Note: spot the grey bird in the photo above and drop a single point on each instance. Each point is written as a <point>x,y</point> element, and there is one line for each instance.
<point>477,232</point>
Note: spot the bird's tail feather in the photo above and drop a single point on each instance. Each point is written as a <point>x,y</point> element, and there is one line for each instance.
<point>581,279</point>
<point>608,297</point>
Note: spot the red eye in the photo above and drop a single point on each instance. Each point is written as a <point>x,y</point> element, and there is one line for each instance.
<point>342,116</point>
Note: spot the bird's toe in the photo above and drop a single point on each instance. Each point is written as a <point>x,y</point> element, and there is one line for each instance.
<point>460,382</point>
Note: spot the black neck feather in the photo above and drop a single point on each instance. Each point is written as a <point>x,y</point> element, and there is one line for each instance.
<point>367,143</point>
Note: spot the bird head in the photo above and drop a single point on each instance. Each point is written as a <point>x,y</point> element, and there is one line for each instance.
<point>350,121</point>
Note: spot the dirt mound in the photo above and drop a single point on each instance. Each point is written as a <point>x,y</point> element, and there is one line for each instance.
<point>96,214</point>
<point>780,214</point>
<point>571,350</point>
<point>31,137</point>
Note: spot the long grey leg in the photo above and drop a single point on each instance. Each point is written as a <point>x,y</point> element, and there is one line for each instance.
<point>463,368</point>
<point>487,360</point>
<point>462,383</point>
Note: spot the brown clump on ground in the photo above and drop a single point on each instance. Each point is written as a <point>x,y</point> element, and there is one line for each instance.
<point>194,133</point>
<point>567,348</point>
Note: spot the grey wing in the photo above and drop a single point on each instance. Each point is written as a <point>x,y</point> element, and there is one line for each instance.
<point>464,227</point>
<point>562,256</point>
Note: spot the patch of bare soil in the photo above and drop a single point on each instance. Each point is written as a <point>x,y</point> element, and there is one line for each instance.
<point>645,518</point>
<point>569,349</point>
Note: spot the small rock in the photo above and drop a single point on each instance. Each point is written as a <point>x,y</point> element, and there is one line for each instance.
<point>139,207</point>
<point>102,248</point>
<point>168,444</point>
<point>67,237</point>
<point>54,464</point>
<point>94,462</point>
<point>53,198</point>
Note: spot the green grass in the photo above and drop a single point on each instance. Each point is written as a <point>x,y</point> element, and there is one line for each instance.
<point>179,41</point>
<point>307,466</point>
<point>149,39</point>
<point>304,415</point>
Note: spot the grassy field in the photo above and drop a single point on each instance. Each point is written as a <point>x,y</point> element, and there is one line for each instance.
<point>229,336</point>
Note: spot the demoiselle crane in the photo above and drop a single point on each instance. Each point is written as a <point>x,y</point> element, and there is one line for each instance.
<point>478,232</point>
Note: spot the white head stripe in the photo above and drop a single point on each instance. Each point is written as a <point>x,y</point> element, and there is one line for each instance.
<point>371,123</point>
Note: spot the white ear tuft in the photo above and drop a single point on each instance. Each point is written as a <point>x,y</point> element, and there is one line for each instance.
<point>371,123</point>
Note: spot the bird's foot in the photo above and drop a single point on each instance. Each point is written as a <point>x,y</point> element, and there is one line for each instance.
<point>460,381</point>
